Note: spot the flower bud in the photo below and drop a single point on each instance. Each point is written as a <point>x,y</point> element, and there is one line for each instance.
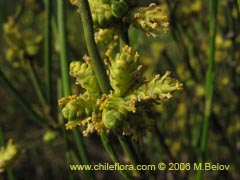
<point>158,88</point>
<point>101,15</point>
<point>72,111</point>
<point>111,118</point>
<point>85,76</point>
<point>76,109</point>
<point>7,155</point>
<point>50,136</point>
<point>119,8</point>
<point>149,19</point>
<point>115,111</point>
<point>124,71</point>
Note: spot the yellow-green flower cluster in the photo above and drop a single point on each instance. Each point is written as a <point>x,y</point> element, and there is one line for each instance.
<point>22,45</point>
<point>110,13</point>
<point>106,39</point>
<point>124,71</point>
<point>150,19</point>
<point>106,12</point>
<point>85,76</point>
<point>7,155</point>
<point>105,36</point>
<point>127,107</point>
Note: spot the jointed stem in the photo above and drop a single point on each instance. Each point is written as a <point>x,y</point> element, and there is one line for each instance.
<point>209,84</point>
<point>97,62</point>
<point>36,85</point>
<point>66,80</point>
<point>109,149</point>
<point>99,69</point>
<point>47,48</point>
<point>63,48</point>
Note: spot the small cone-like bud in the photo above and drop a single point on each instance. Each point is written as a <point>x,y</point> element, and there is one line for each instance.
<point>7,155</point>
<point>150,19</point>
<point>85,76</point>
<point>124,71</point>
<point>119,8</point>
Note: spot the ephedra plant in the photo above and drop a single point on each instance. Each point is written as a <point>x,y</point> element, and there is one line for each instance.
<point>117,97</point>
<point>101,79</point>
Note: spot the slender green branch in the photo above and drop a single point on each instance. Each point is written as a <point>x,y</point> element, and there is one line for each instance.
<point>66,80</point>
<point>126,142</point>
<point>36,85</point>
<point>63,131</point>
<point>112,154</point>
<point>34,116</point>
<point>63,47</point>
<point>47,49</point>
<point>83,153</point>
<point>209,84</point>
<point>97,62</point>
<point>130,152</point>
<point>98,67</point>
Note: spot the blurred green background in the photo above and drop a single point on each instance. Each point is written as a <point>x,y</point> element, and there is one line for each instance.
<point>184,51</point>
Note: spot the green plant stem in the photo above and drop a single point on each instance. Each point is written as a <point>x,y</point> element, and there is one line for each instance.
<point>66,81</point>
<point>36,85</point>
<point>130,152</point>
<point>209,84</point>
<point>33,115</point>
<point>63,47</point>
<point>63,131</point>
<point>69,162</point>
<point>82,151</point>
<point>97,63</point>
<point>98,67</point>
<point>112,154</point>
<point>124,141</point>
<point>47,49</point>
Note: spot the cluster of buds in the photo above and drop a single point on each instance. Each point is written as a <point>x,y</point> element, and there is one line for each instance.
<point>157,89</point>
<point>22,45</point>
<point>124,71</point>
<point>109,13</point>
<point>8,155</point>
<point>115,110</point>
<point>127,107</point>
<point>105,36</point>
<point>84,75</point>
<point>150,19</point>
<point>106,12</point>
